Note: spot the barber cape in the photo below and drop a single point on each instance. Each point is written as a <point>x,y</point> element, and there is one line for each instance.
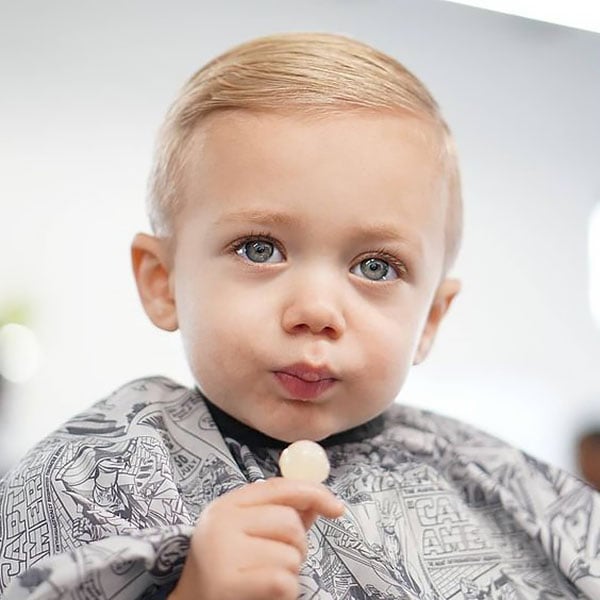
<point>105,507</point>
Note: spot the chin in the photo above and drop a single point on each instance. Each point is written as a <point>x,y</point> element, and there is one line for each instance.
<point>299,433</point>
<point>308,425</point>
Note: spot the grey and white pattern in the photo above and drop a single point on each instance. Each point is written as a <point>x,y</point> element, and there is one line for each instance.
<point>104,508</point>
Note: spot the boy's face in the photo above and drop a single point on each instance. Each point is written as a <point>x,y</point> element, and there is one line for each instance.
<point>305,268</point>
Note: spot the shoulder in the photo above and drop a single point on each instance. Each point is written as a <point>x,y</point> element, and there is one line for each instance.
<point>135,410</point>
<point>105,472</point>
<point>465,453</point>
<point>118,412</point>
<point>468,456</point>
<point>142,392</point>
<point>448,435</point>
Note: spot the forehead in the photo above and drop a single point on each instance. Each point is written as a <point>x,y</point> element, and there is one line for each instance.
<point>343,166</point>
<point>385,130</point>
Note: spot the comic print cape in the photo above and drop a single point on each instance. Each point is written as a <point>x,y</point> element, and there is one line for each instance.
<point>104,508</point>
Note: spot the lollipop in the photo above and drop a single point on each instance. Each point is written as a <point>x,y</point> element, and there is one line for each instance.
<point>304,460</point>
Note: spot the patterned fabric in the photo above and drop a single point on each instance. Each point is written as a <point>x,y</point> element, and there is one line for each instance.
<point>104,508</point>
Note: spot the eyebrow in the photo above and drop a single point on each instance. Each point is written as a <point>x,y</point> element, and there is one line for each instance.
<point>259,217</point>
<point>387,233</point>
<point>383,232</point>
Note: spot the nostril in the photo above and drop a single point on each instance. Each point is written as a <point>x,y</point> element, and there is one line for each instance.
<point>308,315</point>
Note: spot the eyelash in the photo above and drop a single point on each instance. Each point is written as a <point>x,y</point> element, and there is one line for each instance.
<point>394,261</point>
<point>382,254</point>
<point>256,237</point>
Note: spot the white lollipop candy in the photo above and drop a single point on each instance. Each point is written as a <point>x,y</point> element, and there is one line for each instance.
<point>304,460</point>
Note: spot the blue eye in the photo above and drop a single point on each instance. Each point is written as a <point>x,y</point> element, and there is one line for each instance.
<point>259,251</point>
<point>375,269</point>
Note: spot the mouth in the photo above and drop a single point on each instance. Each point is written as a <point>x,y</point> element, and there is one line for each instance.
<point>305,382</point>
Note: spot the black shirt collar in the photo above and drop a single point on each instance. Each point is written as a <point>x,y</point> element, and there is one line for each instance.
<point>232,428</point>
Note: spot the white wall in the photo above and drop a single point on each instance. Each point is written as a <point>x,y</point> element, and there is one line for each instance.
<point>83,87</point>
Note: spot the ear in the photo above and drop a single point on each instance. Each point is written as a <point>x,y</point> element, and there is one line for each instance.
<point>151,269</point>
<point>442,300</point>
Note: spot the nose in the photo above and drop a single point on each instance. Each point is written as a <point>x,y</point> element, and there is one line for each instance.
<point>314,308</point>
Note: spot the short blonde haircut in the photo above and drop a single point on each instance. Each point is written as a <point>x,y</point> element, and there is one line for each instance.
<point>301,73</point>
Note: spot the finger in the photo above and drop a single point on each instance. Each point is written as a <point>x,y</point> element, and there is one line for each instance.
<point>267,582</point>
<point>259,553</point>
<point>276,522</point>
<point>300,495</point>
<point>308,517</point>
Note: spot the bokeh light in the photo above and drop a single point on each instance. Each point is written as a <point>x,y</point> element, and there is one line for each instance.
<point>19,353</point>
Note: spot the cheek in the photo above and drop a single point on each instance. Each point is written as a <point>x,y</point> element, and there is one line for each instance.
<point>392,362</point>
<point>218,323</point>
<point>389,349</point>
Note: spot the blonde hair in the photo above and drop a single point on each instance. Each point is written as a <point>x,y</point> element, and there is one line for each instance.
<point>307,73</point>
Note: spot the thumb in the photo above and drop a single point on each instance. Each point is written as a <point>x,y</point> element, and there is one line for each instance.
<point>308,518</point>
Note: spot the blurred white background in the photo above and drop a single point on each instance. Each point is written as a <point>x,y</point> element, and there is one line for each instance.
<point>83,88</point>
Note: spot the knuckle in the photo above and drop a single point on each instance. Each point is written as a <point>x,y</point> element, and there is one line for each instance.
<point>213,520</point>
<point>303,548</point>
<point>282,585</point>
<point>271,482</point>
<point>293,517</point>
<point>209,517</point>
<point>299,539</point>
<point>209,511</point>
<point>296,560</point>
<point>295,528</point>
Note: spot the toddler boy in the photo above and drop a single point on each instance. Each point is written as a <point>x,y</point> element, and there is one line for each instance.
<point>306,210</point>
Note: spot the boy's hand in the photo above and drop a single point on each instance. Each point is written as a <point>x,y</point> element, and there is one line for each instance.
<point>249,544</point>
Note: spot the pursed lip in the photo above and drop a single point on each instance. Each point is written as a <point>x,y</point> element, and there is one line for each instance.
<point>305,382</point>
<point>307,372</point>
